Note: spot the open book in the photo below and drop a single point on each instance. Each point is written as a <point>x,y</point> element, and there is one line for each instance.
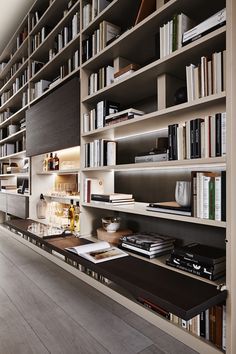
<point>98,252</point>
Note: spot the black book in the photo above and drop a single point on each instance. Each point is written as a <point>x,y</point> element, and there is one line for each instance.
<point>201,272</point>
<point>201,253</point>
<point>197,137</point>
<point>147,241</point>
<point>203,324</point>
<point>174,141</point>
<point>192,139</point>
<point>193,264</point>
<point>218,134</point>
<point>170,146</point>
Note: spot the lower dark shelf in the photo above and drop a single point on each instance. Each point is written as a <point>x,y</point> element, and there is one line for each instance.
<point>177,293</point>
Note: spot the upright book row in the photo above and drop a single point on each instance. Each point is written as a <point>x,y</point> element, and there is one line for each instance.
<point>209,195</point>
<point>206,78</point>
<point>100,152</point>
<point>100,38</point>
<point>98,80</point>
<point>13,69</point>
<point>198,138</point>
<point>92,9</point>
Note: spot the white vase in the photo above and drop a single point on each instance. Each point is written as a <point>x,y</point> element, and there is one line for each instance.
<point>183,193</point>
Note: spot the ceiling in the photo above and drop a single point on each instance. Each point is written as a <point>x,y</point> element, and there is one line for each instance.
<point>12,13</point>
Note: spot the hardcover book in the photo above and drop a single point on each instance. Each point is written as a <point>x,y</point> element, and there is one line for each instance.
<point>97,252</point>
<point>169,207</point>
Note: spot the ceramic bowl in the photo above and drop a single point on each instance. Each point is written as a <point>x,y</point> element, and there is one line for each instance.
<point>111,223</point>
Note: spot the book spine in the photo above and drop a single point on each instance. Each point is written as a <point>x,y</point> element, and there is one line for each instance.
<point>206,181</point>
<point>218,198</point>
<point>224,327</point>
<point>197,138</point>
<point>223,195</point>
<point>218,336</point>
<point>212,199</point>
<point>218,134</point>
<point>174,141</point>
<point>192,139</point>
<point>170,145</point>
<point>223,133</point>
<point>203,324</point>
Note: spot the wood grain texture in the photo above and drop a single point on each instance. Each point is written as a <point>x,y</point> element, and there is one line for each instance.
<point>54,122</point>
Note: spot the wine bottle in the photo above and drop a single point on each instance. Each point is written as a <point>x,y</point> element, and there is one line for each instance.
<point>77,219</point>
<point>56,162</point>
<point>50,163</point>
<point>71,216</point>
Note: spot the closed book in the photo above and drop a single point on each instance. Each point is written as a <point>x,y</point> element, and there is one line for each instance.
<point>212,324</point>
<point>109,197</point>
<point>219,318</point>
<point>174,141</point>
<point>147,241</point>
<point>197,137</point>
<point>202,253</point>
<point>146,252</point>
<point>212,198</point>
<point>217,201</point>
<point>218,133</point>
<point>170,144</point>
<point>154,307</point>
<point>142,253</point>
<point>203,324</point>
<point>127,68</point>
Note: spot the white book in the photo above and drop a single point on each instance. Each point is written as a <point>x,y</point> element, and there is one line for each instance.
<point>76,59</point>
<point>92,119</point>
<point>218,198</point>
<point>224,70</point>
<point>224,328</point>
<point>65,36</point>
<point>60,41</point>
<point>128,111</point>
<point>199,195</point>
<point>86,121</point>
<point>184,24</point>
<point>95,80</point>
<point>109,75</point>
<point>204,77</point>
<point>209,78</point>
<point>180,142</point>
<point>196,83</point>
<point>98,40</point>
<point>100,114</point>
<point>98,252</point>
<point>223,133</point>
<point>111,153</point>
<point>91,154</point>
<point>190,82</point>
<point>205,211</point>
<point>213,135</point>
<point>166,39</point>
<point>94,9</point>
<point>219,83</point>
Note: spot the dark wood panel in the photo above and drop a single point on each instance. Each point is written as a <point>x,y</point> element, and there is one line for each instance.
<point>178,293</point>
<point>53,123</point>
<point>18,206</point>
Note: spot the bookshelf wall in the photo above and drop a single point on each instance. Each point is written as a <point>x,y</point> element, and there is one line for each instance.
<point>151,89</point>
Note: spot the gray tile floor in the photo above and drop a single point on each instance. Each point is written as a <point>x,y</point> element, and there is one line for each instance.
<point>44,309</point>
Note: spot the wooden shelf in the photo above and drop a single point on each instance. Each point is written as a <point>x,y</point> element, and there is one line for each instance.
<point>17,155</point>
<point>60,172</point>
<point>148,74</point>
<point>8,175</point>
<point>63,199</point>
<point>14,99</point>
<point>133,274</point>
<point>193,164</point>
<point>158,119</point>
<point>13,137</point>
<point>16,117</point>
<point>140,209</point>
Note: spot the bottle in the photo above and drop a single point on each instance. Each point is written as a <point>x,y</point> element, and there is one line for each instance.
<point>77,221</point>
<point>50,163</point>
<point>71,216</point>
<point>56,162</point>
<point>41,207</point>
<point>45,163</point>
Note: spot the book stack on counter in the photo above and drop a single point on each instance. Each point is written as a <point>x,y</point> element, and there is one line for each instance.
<point>171,207</point>
<point>205,261</point>
<point>113,198</point>
<point>149,245</point>
<point>209,195</point>
<point>198,138</point>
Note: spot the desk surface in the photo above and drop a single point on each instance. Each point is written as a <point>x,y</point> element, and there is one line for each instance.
<point>177,293</point>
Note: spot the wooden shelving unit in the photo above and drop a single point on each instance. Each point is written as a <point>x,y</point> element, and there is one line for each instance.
<point>142,90</point>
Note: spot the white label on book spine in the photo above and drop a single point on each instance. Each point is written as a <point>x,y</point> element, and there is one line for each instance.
<point>218,198</point>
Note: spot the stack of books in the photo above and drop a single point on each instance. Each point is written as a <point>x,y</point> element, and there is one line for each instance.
<point>113,198</point>
<point>126,71</point>
<point>170,208</point>
<point>149,245</point>
<point>205,261</point>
